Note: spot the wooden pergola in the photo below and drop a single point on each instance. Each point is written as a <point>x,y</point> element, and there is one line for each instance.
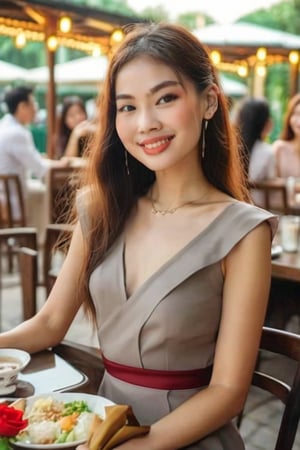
<point>249,47</point>
<point>91,30</point>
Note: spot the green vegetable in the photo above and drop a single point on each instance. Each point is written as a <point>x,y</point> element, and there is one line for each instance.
<point>62,438</point>
<point>71,436</point>
<point>76,406</point>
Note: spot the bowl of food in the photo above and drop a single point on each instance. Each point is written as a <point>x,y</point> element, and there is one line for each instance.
<point>12,361</point>
<point>59,420</point>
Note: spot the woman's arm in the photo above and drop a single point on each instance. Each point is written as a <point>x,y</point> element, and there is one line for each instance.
<point>247,272</point>
<point>50,324</point>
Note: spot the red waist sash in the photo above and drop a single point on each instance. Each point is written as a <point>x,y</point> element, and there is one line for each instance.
<point>159,379</point>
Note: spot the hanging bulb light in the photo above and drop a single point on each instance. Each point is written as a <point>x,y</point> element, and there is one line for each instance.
<point>261,54</point>
<point>96,51</point>
<point>215,56</point>
<point>116,37</point>
<point>294,57</point>
<point>261,70</point>
<point>65,24</point>
<point>242,70</point>
<point>52,43</point>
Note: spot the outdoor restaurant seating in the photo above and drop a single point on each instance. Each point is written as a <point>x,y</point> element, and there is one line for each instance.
<point>61,184</point>
<point>28,266</point>
<point>21,237</point>
<point>12,200</point>
<point>12,210</point>
<point>26,250</point>
<point>55,236</point>
<point>280,342</point>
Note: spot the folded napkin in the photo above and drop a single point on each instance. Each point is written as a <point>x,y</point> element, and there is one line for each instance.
<point>119,425</point>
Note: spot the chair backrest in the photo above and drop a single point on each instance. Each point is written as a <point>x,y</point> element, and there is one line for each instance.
<point>62,183</point>
<point>284,343</point>
<point>12,204</point>
<point>55,233</point>
<point>28,264</point>
<point>274,194</point>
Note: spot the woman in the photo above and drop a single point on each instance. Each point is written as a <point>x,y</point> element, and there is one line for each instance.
<point>72,129</point>
<point>254,124</point>
<point>174,263</point>
<point>287,147</point>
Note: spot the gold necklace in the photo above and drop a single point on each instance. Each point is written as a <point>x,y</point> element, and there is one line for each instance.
<point>163,212</point>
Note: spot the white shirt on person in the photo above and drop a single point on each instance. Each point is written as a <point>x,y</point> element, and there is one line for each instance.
<point>18,154</point>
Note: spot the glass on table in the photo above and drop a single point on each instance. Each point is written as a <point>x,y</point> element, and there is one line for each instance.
<point>293,190</point>
<point>289,233</point>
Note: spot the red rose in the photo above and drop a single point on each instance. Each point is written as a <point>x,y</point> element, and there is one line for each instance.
<point>11,421</point>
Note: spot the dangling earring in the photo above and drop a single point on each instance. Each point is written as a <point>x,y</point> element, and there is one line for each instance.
<point>126,163</point>
<point>205,123</point>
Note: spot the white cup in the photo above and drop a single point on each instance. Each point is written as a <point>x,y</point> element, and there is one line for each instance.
<point>289,232</point>
<point>12,361</point>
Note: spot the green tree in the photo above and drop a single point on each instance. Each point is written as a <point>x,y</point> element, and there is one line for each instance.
<point>193,20</point>
<point>155,14</point>
<point>119,6</point>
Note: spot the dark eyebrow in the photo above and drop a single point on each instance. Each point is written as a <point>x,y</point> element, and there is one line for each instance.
<point>153,90</point>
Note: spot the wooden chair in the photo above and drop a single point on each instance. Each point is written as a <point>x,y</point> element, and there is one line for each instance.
<point>269,189</point>
<point>23,237</point>
<point>12,209</point>
<point>55,234</point>
<point>28,264</point>
<point>12,213</point>
<point>284,343</point>
<point>62,183</point>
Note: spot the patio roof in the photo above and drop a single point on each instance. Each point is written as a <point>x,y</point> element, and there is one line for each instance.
<point>39,20</point>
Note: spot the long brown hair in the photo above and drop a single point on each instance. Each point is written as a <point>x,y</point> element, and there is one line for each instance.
<point>287,133</point>
<point>114,193</point>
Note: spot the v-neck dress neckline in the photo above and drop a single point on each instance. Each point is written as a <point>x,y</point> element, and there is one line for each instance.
<point>201,235</point>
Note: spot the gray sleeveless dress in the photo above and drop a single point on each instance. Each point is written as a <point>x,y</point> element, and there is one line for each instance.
<point>171,322</point>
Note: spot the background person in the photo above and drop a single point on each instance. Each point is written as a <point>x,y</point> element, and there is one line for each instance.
<point>254,123</point>
<point>167,251</point>
<point>287,146</point>
<point>18,154</point>
<point>73,128</point>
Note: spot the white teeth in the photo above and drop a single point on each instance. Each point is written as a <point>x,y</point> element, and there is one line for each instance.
<point>156,144</point>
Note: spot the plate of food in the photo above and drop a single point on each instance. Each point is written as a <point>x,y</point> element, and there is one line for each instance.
<point>58,420</point>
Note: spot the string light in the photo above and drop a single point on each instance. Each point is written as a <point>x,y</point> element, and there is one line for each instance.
<point>116,37</point>
<point>242,70</point>
<point>20,40</point>
<point>96,51</point>
<point>215,56</point>
<point>261,70</point>
<point>261,54</point>
<point>294,57</point>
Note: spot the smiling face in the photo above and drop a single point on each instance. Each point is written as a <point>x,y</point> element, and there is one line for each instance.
<point>159,115</point>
